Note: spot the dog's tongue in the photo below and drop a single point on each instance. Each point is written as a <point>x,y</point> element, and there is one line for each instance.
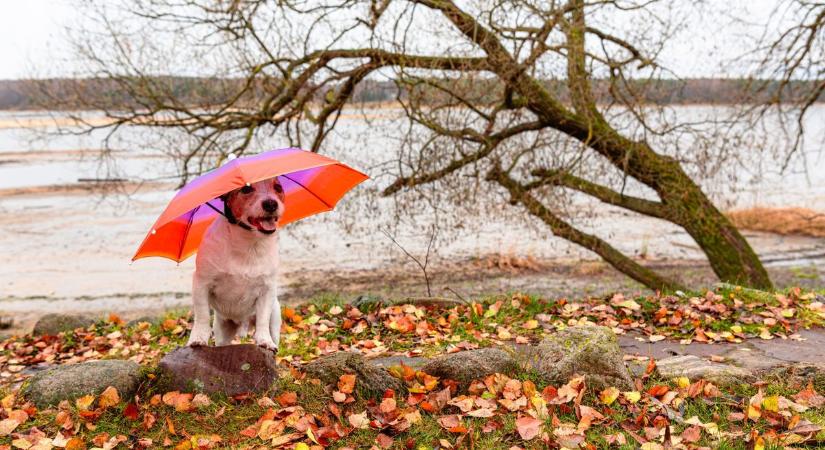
<point>263,224</point>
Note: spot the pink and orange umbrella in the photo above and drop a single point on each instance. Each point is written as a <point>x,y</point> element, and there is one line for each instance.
<point>312,184</point>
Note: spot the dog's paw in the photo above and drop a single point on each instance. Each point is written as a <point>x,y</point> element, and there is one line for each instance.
<point>267,343</point>
<point>198,340</point>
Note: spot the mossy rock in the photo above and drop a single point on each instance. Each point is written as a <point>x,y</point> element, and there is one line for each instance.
<point>371,381</point>
<point>52,324</point>
<point>591,351</point>
<point>470,365</point>
<point>70,381</point>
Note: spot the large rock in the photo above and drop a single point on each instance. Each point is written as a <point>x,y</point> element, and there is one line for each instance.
<point>231,369</point>
<point>371,380</point>
<point>67,382</point>
<point>582,350</point>
<point>470,365</point>
<point>693,367</point>
<point>52,324</point>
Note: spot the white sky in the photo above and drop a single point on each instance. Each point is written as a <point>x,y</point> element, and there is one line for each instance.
<point>32,38</point>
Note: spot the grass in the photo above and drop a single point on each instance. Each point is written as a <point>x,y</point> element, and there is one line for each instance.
<point>327,325</point>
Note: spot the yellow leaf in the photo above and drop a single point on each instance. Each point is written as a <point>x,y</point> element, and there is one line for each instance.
<point>632,396</point>
<point>736,329</point>
<point>268,430</point>
<point>753,412</point>
<point>609,395</point>
<point>683,382</point>
<point>85,402</point>
<point>531,324</point>
<point>301,446</point>
<point>765,334</point>
<point>7,402</point>
<point>630,304</point>
<point>771,403</point>
<point>759,444</point>
<point>109,397</point>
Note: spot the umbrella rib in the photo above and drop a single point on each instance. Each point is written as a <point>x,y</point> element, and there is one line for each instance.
<point>308,190</point>
<point>186,232</point>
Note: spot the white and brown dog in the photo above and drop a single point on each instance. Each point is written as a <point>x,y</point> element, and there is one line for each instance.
<point>236,269</point>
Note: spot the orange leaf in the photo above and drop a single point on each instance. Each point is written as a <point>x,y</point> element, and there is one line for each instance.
<point>287,399</point>
<point>109,397</point>
<point>346,383</point>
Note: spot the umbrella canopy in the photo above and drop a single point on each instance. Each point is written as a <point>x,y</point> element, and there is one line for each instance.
<point>312,184</point>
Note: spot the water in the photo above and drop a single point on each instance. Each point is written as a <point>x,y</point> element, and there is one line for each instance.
<point>65,243</point>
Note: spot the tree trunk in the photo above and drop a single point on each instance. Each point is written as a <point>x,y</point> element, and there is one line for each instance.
<point>731,257</point>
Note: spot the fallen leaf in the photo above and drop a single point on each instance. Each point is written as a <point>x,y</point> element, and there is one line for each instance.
<point>528,427</point>
<point>108,398</point>
<point>346,383</point>
<point>609,395</point>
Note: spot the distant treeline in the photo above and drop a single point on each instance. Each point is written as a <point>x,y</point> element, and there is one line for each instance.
<point>58,94</point>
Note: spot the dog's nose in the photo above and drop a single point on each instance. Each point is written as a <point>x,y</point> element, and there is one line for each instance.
<point>269,205</point>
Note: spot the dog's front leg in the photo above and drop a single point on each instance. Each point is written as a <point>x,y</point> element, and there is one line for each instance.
<point>263,316</point>
<point>275,320</point>
<point>201,330</point>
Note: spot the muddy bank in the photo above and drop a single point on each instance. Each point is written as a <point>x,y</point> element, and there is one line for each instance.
<point>460,279</point>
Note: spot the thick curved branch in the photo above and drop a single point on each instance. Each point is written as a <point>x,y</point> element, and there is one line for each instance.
<point>604,194</point>
<point>593,243</point>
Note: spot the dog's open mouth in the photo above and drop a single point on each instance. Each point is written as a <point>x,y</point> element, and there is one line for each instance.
<point>265,223</point>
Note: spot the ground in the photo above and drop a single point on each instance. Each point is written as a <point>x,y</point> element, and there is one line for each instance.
<point>773,411</point>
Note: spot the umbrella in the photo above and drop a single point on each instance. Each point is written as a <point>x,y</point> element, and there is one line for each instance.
<point>312,184</point>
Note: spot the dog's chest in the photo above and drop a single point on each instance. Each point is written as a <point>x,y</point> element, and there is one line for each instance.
<point>234,295</point>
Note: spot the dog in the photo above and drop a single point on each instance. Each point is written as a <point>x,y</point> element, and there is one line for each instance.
<point>236,269</point>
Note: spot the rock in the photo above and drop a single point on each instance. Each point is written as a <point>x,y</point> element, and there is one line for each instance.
<point>751,358</point>
<point>798,375</point>
<point>70,381</point>
<point>52,324</point>
<point>470,365</point>
<point>230,369</point>
<point>371,381</point>
<point>584,350</point>
<point>696,368</point>
<point>6,322</point>
<point>416,362</point>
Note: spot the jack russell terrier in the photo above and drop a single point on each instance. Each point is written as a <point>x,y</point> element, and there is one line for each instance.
<point>237,266</point>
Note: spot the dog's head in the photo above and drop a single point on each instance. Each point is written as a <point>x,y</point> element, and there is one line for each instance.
<point>259,204</point>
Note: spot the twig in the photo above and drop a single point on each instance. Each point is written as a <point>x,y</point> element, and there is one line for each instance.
<point>417,261</point>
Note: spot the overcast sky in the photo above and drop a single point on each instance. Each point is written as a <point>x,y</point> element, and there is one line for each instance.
<point>32,39</point>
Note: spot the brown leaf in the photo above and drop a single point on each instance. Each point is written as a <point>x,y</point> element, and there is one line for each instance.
<point>383,440</point>
<point>528,427</point>
<point>692,434</point>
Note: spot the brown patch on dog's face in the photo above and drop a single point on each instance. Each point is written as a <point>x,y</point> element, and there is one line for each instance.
<point>259,204</point>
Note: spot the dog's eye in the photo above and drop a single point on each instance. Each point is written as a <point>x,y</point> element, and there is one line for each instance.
<point>278,188</point>
<point>247,190</point>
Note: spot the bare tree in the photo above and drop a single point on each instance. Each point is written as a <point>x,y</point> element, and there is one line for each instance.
<point>537,100</point>
<point>789,74</point>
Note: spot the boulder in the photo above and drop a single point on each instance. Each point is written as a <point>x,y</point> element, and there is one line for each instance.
<point>695,368</point>
<point>591,351</point>
<point>68,382</point>
<point>371,380</point>
<point>53,323</point>
<point>470,365</point>
<point>230,369</point>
